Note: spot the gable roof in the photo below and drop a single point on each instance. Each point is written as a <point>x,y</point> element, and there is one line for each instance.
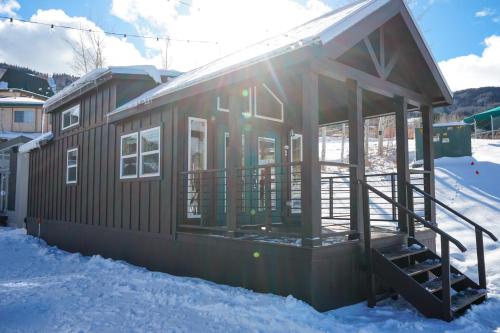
<point>93,77</point>
<point>321,30</point>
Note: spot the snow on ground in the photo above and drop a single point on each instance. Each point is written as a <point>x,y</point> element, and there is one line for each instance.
<point>43,289</point>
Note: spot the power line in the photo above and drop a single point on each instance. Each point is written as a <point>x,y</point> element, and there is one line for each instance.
<point>110,33</point>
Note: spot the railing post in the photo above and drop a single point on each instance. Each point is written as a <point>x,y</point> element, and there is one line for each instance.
<point>480,258</point>
<point>445,278</point>
<point>267,198</point>
<point>370,285</point>
<point>393,195</point>
<point>411,220</point>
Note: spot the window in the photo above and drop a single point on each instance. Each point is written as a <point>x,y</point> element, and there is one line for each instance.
<point>71,166</point>
<point>24,117</point>
<point>128,156</point>
<point>150,152</point>
<point>197,160</point>
<point>267,155</point>
<point>71,117</point>
<point>267,104</point>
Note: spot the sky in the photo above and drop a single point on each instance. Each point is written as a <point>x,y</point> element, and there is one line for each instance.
<point>464,35</point>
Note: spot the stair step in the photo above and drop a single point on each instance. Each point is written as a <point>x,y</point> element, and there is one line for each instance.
<point>404,252</point>
<point>421,267</point>
<point>466,297</point>
<point>436,283</point>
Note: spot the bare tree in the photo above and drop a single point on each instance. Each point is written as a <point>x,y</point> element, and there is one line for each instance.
<point>165,59</point>
<point>88,51</point>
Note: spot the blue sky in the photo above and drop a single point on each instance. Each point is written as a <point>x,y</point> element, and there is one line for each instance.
<point>456,30</point>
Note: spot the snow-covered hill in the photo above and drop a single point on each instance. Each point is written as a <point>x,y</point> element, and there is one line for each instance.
<point>43,289</point>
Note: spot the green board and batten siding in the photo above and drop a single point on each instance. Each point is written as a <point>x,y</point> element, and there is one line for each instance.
<point>449,141</point>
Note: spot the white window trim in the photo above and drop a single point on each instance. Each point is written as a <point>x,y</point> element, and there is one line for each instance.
<point>205,148</point>
<point>67,166</point>
<point>152,152</point>
<point>219,108</point>
<point>281,120</point>
<point>68,111</point>
<point>250,99</point>
<point>136,155</point>
<point>296,136</point>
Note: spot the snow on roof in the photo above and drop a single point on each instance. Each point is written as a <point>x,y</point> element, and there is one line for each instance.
<point>320,30</point>
<point>450,124</point>
<point>96,74</point>
<point>7,135</point>
<point>36,143</point>
<point>21,101</point>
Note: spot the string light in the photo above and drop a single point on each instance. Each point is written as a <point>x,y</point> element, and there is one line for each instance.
<point>110,33</point>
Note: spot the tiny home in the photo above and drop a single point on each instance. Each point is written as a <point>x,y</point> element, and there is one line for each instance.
<point>216,174</point>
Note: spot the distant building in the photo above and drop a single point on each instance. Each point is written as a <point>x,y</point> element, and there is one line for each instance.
<point>21,120</point>
<point>20,79</point>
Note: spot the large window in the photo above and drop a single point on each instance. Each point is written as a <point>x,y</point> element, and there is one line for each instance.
<point>150,152</point>
<point>71,166</point>
<point>71,117</point>
<point>128,156</point>
<point>24,117</point>
<point>197,160</point>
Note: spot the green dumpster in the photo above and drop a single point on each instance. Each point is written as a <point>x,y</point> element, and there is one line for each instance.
<point>450,139</point>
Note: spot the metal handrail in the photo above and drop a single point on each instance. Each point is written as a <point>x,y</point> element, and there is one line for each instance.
<point>451,210</point>
<point>415,216</point>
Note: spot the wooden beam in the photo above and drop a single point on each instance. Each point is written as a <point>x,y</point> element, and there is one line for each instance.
<point>233,159</point>
<point>373,56</point>
<point>341,72</point>
<point>311,172</point>
<point>382,47</point>
<point>390,65</point>
<point>428,149</point>
<point>356,153</point>
<point>403,168</point>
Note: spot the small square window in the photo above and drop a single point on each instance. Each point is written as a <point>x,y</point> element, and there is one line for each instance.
<point>27,117</point>
<point>71,117</point>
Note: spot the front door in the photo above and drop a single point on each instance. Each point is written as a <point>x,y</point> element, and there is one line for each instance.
<point>259,148</point>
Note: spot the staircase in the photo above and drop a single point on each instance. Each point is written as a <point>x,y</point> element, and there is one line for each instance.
<point>424,279</point>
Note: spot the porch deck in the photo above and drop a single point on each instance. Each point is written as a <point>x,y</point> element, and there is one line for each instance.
<point>270,204</point>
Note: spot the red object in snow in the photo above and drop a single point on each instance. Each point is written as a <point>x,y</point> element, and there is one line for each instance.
<point>477,172</point>
<point>472,163</point>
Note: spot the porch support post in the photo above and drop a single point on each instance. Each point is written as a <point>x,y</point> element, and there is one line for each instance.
<point>403,168</point>
<point>233,160</point>
<point>428,145</point>
<point>311,173</point>
<point>356,153</point>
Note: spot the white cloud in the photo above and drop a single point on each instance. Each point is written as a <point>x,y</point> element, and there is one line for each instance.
<point>9,7</point>
<point>485,12</point>
<point>47,50</point>
<point>473,71</point>
<point>232,23</point>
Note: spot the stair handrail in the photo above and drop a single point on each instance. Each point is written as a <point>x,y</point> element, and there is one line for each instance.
<point>427,224</point>
<point>451,210</point>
